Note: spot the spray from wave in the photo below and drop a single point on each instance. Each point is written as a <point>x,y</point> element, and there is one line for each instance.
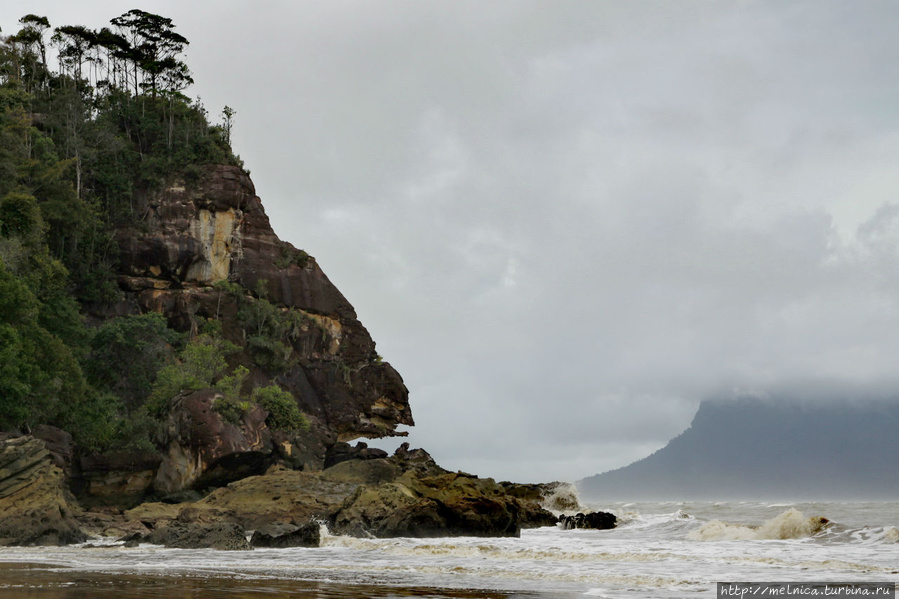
<point>562,498</point>
<point>791,524</point>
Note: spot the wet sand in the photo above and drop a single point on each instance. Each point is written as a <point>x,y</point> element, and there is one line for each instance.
<point>41,581</point>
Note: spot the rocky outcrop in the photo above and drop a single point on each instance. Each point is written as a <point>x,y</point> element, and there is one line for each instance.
<point>280,495</point>
<point>452,504</point>
<point>596,520</point>
<point>343,452</point>
<point>120,478</point>
<point>406,494</point>
<point>194,234</point>
<point>287,535</point>
<point>36,508</point>
<point>428,501</point>
<point>203,449</point>
<point>192,535</point>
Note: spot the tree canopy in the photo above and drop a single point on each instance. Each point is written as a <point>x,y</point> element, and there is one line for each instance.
<point>78,144</point>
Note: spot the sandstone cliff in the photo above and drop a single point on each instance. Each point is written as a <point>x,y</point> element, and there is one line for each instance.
<point>194,235</point>
<point>35,506</point>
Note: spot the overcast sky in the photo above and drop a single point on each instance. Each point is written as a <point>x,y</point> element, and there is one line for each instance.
<point>566,223</point>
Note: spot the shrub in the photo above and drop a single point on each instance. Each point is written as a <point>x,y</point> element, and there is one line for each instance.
<point>283,413</point>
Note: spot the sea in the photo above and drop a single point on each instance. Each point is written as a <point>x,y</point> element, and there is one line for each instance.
<point>658,550</point>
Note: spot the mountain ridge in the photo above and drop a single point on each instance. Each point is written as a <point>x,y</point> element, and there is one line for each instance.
<point>751,448</point>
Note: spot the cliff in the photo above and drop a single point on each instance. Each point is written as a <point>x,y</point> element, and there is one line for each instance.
<point>767,449</point>
<point>191,238</point>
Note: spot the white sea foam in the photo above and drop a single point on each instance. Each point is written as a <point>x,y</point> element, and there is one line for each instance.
<point>791,524</point>
<point>563,499</point>
<point>653,553</point>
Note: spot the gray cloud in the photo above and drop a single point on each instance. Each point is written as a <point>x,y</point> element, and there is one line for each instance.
<point>567,223</point>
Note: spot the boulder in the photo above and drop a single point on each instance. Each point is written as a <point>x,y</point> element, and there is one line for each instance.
<point>36,508</point>
<point>342,452</point>
<point>197,438</point>
<point>287,535</point>
<point>118,478</point>
<point>596,520</point>
<point>193,535</point>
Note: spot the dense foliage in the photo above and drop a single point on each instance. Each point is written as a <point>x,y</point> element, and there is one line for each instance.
<point>78,147</point>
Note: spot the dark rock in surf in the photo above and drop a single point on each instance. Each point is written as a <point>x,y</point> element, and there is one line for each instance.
<point>181,535</point>
<point>595,520</point>
<point>288,535</point>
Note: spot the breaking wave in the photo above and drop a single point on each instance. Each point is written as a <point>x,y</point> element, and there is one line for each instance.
<point>791,524</point>
<point>562,499</point>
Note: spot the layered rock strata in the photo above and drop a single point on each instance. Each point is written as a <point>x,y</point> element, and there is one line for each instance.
<point>36,507</point>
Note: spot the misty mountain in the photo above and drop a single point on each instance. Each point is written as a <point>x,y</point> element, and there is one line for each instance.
<point>766,449</point>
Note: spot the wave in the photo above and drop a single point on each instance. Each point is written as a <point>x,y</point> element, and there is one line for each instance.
<point>563,499</point>
<point>791,524</point>
<point>891,534</point>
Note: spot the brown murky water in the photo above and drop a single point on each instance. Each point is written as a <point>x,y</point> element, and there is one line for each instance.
<point>38,581</point>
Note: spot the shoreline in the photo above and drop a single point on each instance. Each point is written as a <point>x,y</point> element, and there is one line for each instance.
<point>48,581</point>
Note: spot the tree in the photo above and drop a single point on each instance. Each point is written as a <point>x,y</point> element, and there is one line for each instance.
<point>154,50</point>
<point>228,116</point>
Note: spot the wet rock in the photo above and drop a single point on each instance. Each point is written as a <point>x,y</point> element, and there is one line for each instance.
<point>427,501</point>
<point>36,508</point>
<point>287,535</point>
<point>182,535</point>
<point>132,540</point>
<point>597,520</point>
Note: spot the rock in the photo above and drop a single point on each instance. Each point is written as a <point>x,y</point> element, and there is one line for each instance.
<point>342,452</point>
<point>198,439</point>
<point>105,521</point>
<point>60,445</point>
<point>132,540</point>
<point>181,535</point>
<point>364,471</point>
<point>118,478</point>
<point>427,501</point>
<point>389,510</point>
<point>279,495</point>
<point>36,508</point>
<point>597,520</point>
<point>193,235</point>
<point>287,535</point>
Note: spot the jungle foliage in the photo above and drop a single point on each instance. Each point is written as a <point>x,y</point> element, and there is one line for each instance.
<point>89,121</point>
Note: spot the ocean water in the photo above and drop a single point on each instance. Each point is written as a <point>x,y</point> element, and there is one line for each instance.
<point>674,549</point>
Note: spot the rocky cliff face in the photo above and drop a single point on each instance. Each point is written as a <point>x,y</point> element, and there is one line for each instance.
<point>193,235</point>
<point>35,506</point>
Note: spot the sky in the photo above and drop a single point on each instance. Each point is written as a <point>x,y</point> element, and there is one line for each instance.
<point>567,223</point>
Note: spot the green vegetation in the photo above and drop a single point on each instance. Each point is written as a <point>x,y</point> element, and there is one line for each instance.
<point>283,412</point>
<point>79,149</point>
